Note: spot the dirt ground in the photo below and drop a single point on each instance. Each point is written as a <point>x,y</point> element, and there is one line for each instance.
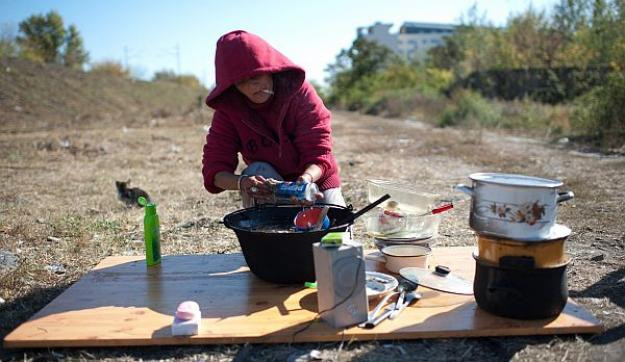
<point>59,216</point>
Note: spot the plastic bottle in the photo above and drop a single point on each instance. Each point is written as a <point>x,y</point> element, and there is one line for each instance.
<point>151,233</point>
<point>284,190</point>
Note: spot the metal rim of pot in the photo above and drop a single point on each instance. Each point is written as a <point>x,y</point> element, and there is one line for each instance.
<point>519,263</point>
<point>546,254</point>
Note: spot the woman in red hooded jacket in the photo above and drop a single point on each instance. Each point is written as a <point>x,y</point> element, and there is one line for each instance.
<point>265,110</point>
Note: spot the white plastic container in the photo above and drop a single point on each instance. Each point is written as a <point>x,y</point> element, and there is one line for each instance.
<point>397,257</point>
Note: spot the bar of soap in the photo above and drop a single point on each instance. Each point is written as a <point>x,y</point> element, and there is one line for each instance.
<point>187,310</point>
<point>187,319</point>
<point>189,327</point>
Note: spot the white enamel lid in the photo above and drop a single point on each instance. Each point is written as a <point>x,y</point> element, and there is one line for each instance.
<point>514,180</point>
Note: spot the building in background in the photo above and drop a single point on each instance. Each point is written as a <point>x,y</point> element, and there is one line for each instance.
<point>413,39</point>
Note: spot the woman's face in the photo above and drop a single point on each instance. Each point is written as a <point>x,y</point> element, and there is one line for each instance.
<point>258,88</point>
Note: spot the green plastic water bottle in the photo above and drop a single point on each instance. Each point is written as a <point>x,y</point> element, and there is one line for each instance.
<point>151,233</point>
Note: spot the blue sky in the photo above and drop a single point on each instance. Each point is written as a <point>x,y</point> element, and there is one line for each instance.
<point>311,33</point>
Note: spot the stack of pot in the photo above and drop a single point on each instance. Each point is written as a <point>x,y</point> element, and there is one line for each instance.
<point>520,261</point>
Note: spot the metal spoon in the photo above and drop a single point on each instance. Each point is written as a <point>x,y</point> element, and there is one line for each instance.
<point>410,297</point>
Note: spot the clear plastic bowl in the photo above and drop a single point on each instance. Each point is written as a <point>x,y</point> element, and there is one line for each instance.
<point>409,226</point>
<point>407,197</point>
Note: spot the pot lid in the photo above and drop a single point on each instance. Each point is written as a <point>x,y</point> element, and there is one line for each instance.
<point>514,180</point>
<point>439,280</point>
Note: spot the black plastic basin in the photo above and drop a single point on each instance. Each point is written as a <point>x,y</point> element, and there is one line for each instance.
<point>279,257</point>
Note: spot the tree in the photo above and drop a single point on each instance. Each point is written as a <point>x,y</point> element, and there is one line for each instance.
<point>352,73</point>
<point>570,16</point>
<point>42,37</point>
<point>363,58</point>
<point>447,55</point>
<point>75,55</point>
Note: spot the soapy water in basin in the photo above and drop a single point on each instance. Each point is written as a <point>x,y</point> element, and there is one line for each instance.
<point>280,228</point>
<point>274,229</point>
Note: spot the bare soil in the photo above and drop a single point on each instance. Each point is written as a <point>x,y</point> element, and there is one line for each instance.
<point>59,207</point>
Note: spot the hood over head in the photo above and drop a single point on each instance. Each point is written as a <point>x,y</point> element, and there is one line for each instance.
<point>241,55</point>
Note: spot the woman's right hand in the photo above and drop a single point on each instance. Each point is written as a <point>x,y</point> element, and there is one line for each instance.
<point>256,187</point>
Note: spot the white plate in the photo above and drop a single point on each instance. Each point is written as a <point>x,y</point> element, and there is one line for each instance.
<point>379,284</point>
<point>382,243</point>
<point>558,231</point>
<point>406,236</point>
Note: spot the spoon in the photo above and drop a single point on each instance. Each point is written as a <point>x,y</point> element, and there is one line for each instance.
<point>409,298</point>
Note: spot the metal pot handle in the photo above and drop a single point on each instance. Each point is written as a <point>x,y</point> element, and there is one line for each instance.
<point>564,196</point>
<point>464,188</point>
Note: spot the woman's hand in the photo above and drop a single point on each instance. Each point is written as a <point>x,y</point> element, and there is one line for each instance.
<point>306,178</point>
<point>256,187</point>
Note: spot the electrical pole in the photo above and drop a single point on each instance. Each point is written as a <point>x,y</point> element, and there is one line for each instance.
<point>178,57</point>
<point>125,57</point>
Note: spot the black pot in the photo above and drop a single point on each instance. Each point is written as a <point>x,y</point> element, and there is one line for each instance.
<point>514,288</point>
<point>284,258</point>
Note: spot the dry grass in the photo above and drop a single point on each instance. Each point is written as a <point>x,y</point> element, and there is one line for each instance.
<point>58,206</point>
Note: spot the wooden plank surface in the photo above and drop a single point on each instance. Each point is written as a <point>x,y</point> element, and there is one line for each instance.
<point>121,302</point>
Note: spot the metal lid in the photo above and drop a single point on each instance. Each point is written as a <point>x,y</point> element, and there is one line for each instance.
<point>514,180</point>
<point>431,279</point>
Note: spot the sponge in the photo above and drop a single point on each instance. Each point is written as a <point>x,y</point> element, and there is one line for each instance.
<point>187,319</point>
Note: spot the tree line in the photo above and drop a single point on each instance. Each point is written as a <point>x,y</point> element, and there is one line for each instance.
<point>44,38</point>
<point>572,37</point>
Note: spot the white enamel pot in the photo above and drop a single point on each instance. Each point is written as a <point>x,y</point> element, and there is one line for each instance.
<point>397,257</point>
<point>513,206</point>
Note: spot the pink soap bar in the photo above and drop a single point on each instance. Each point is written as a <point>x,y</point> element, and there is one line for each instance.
<point>187,310</point>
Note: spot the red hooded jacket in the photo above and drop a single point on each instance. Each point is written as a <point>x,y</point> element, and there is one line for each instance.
<point>292,134</point>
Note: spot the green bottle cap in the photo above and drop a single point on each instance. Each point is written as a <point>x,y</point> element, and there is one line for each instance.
<point>150,207</point>
<point>332,239</point>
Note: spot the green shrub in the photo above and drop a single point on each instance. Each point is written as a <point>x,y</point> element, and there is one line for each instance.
<point>470,109</point>
<point>534,116</point>
<point>110,67</point>
<point>600,113</point>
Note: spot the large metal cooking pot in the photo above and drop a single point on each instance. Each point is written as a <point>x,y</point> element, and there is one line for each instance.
<point>513,206</point>
<point>515,288</point>
<point>280,257</point>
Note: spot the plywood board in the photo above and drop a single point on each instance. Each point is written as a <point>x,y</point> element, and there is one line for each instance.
<point>121,302</point>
